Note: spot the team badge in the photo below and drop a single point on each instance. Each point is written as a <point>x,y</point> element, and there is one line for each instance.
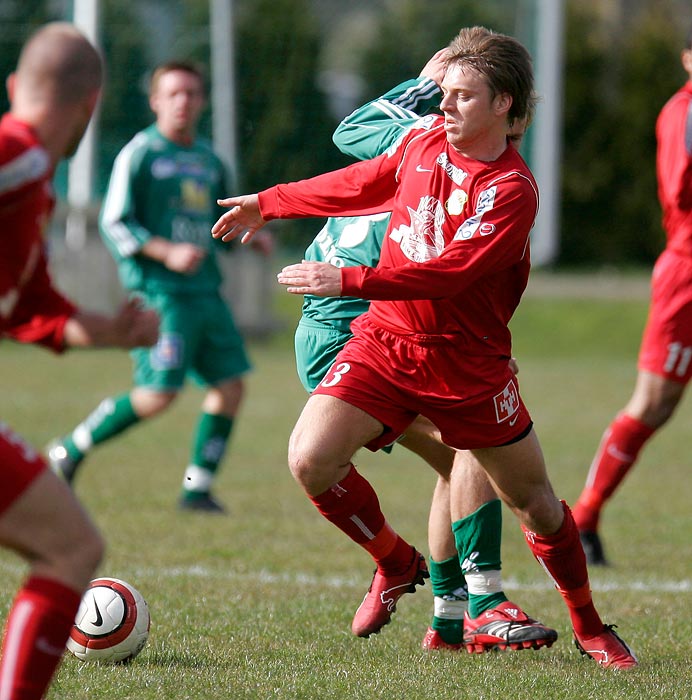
<point>507,403</point>
<point>455,204</point>
<point>168,352</point>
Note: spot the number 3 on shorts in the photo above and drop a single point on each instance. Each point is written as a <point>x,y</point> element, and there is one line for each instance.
<point>335,373</point>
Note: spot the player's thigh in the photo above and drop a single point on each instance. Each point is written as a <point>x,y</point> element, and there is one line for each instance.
<point>423,439</point>
<point>654,399</point>
<point>329,431</point>
<point>46,523</point>
<point>163,367</point>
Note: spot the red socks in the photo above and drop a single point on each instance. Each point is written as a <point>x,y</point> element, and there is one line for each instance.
<point>618,451</point>
<point>562,556</point>
<point>352,505</point>
<point>35,636</point>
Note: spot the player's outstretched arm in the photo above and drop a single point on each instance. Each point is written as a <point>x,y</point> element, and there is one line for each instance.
<point>131,327</point>
<point>243,217</point>
<point>317,278</point>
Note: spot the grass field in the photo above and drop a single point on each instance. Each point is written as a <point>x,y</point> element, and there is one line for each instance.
<point>258,604</point>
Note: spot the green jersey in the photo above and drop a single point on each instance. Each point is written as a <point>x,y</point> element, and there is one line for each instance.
<point>351,241</point>
<point>160,188</point>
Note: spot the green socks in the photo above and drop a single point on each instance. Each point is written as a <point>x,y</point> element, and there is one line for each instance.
<point>111,417</point>
<point>449,589</point>
<point>478,541</point>
<point>208,448</point>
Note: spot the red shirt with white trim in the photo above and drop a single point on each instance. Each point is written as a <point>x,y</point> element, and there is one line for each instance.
<point>31,310</point>
<point>455,260</point>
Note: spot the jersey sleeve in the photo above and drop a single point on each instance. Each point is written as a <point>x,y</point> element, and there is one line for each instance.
<point>41,313</point>
<point>494,238</point>
<point>122,233</point>
<point>367,187</point>
<point>377,125</point>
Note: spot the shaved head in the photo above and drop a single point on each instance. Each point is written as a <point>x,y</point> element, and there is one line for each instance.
<point>56,86</point>
<point>59,64</point>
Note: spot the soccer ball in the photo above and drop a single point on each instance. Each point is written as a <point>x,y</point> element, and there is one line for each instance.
<point>112,623</point>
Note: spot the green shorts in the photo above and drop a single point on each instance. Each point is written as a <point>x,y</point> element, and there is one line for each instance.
<point>198,337</point>
<point>317,344</point>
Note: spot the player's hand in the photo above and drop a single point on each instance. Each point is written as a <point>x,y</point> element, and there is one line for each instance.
<point>243,218</point>
<point>184,258</point>
<point>435,67</point>
<point>318,278</point>
<point>513,365</point>
<point>136,325</point>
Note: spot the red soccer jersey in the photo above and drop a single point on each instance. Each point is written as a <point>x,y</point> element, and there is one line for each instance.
<point>31,310</point>
<point>455,261</point>
<point>674,169</point>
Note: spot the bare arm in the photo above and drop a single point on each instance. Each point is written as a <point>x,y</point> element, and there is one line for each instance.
<point>132,326</point>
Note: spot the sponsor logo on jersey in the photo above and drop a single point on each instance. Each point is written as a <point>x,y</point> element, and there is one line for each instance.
<point>507,403</point>
<point>163,168</point>
<point>457,175</point>
<point>472,225</point>
<point>194,195</point>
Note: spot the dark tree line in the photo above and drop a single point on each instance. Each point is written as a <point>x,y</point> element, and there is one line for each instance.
<point>616,81</point>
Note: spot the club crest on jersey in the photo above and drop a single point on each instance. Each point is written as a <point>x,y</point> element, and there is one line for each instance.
<point>168,352</point>
<point>423,239</point>
<point>506,402</point>
<point>455,204</point>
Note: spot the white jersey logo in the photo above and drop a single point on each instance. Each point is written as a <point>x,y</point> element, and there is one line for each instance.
<point>423,239</point>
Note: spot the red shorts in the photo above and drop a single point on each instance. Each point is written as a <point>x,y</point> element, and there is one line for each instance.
<point>474,401</point>
<point>666,348</point>
<point>20,464</point>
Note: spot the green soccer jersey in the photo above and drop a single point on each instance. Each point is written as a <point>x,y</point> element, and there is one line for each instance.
<point>160,188</point>
<point>351,241</point>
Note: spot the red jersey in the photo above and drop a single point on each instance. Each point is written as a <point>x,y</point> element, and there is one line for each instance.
<point>455,260</point>
<point>674,169</point>
<point>31,310</point>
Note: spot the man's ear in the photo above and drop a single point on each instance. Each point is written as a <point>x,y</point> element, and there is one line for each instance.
<point>686,58</point>
<point>9,86</point>
<point>503,103</point>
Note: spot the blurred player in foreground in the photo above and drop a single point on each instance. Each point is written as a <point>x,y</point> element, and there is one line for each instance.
<point>435,341</point>
<point>665,355</point>
<point>471,610</point>
<point>52,96</point>
<point>160,203</point>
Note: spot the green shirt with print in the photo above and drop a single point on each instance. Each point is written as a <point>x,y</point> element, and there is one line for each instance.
<point>160,188</point>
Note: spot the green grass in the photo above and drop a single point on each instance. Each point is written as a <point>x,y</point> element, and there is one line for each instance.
<point>258,604</point>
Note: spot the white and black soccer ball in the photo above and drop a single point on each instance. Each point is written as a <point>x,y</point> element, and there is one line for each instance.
<point>112,623</point>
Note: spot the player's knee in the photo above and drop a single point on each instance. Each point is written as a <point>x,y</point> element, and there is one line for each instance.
<point>147,404</point>
<point>78,555</point>
<point>304,461</point>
